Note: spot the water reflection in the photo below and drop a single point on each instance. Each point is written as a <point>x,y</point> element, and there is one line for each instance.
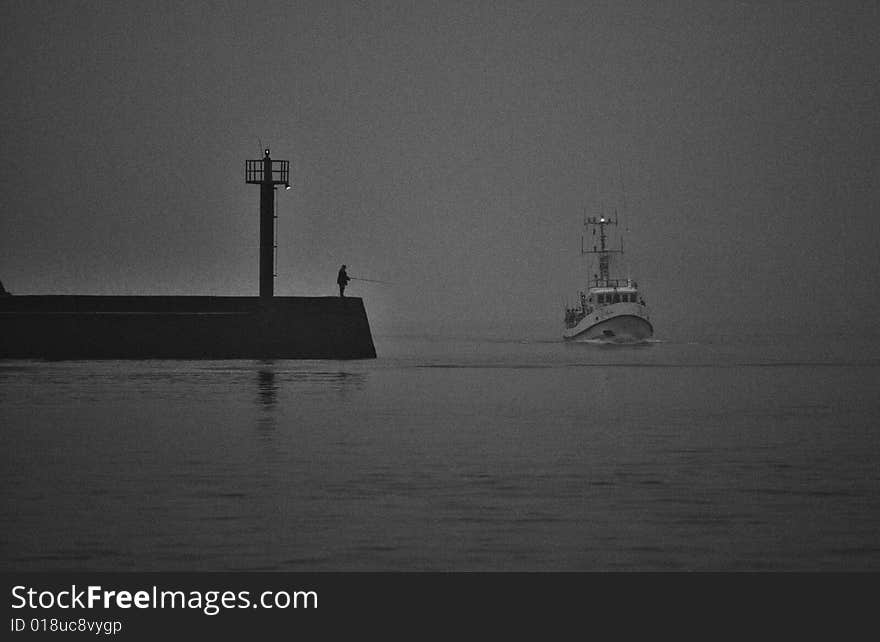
<point>267,397</point>
<point>602,344</point>
<point>267,388</point>
<point>321,382</point>
<point>302,382</point>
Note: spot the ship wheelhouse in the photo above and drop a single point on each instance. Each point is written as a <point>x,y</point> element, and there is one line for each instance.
<point>610,293</point>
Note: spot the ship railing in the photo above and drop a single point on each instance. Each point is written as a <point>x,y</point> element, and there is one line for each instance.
<point>614,283</point>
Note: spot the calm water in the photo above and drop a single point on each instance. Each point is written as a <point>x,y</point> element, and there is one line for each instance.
<point>450,454</point>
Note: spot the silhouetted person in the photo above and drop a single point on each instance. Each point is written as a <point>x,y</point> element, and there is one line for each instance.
<point>3,291</point>
<point>342,280</point>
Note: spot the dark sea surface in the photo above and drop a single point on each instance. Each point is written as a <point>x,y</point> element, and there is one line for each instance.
<point>727,453</point>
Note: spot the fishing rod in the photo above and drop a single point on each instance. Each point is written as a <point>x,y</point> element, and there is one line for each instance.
<point>354,278</point>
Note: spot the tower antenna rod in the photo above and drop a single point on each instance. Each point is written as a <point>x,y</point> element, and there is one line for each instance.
<point>267,173</point>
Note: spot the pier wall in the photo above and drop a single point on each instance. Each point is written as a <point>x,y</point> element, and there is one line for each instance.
<point>180,327</point>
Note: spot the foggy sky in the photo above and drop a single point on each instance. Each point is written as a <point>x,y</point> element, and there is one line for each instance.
<point>451,148</point>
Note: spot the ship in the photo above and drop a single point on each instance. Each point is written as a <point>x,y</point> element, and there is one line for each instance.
<point>610,309</point>
<point>192,327</point>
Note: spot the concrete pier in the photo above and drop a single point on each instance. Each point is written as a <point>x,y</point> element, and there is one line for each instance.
<point>181,327</point>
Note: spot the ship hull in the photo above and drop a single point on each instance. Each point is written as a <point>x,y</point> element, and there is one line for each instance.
<point>618,323</point>
<point>110,327</point>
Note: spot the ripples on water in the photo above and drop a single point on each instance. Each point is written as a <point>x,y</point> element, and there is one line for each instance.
<point>460,455</point>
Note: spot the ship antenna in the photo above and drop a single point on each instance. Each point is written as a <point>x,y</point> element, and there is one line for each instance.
<point>622,204</point>
<point>585,227</point>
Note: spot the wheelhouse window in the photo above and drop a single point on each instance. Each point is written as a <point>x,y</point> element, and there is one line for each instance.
<point>617,298</point>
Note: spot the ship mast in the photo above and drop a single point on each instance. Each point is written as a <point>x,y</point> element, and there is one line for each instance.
<point>603,251</point>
